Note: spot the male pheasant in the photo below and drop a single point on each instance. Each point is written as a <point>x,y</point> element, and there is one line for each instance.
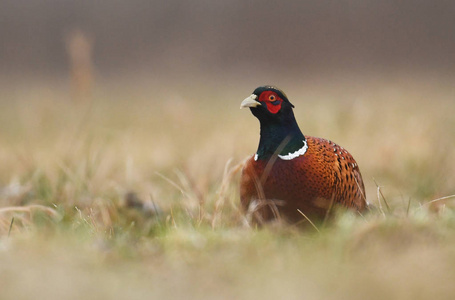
<point>291,173</point>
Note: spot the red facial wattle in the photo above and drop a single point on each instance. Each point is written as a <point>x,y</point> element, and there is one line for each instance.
<point>272,100</point>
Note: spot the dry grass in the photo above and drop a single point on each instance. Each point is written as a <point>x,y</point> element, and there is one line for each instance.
<point>67,229</point>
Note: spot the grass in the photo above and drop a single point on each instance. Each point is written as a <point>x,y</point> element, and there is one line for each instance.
<point>69,230</point>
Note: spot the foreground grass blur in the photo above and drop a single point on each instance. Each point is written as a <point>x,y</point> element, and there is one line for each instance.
<point>135,195</point>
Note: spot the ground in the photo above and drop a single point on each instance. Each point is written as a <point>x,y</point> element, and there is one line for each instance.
<point>132,192</point>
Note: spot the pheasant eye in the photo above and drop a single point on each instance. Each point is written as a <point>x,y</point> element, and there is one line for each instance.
<point>272,98</point>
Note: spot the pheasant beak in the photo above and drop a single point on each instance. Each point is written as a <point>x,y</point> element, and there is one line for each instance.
<point>250,102</point>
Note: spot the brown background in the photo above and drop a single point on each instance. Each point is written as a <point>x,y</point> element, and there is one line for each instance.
<point>220,39</point>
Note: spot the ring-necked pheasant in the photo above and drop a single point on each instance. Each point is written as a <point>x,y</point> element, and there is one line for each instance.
<point>291,171</point>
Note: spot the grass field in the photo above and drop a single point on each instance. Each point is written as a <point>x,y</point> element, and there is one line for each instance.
<point>69,231</point>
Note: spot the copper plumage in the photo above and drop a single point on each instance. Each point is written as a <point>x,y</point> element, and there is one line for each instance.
<point>291,173</point>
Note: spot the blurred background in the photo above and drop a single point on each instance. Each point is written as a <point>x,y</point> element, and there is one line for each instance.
<point>183,42</point>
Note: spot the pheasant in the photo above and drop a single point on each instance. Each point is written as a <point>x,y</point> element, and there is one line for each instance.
<point>292,175</point>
